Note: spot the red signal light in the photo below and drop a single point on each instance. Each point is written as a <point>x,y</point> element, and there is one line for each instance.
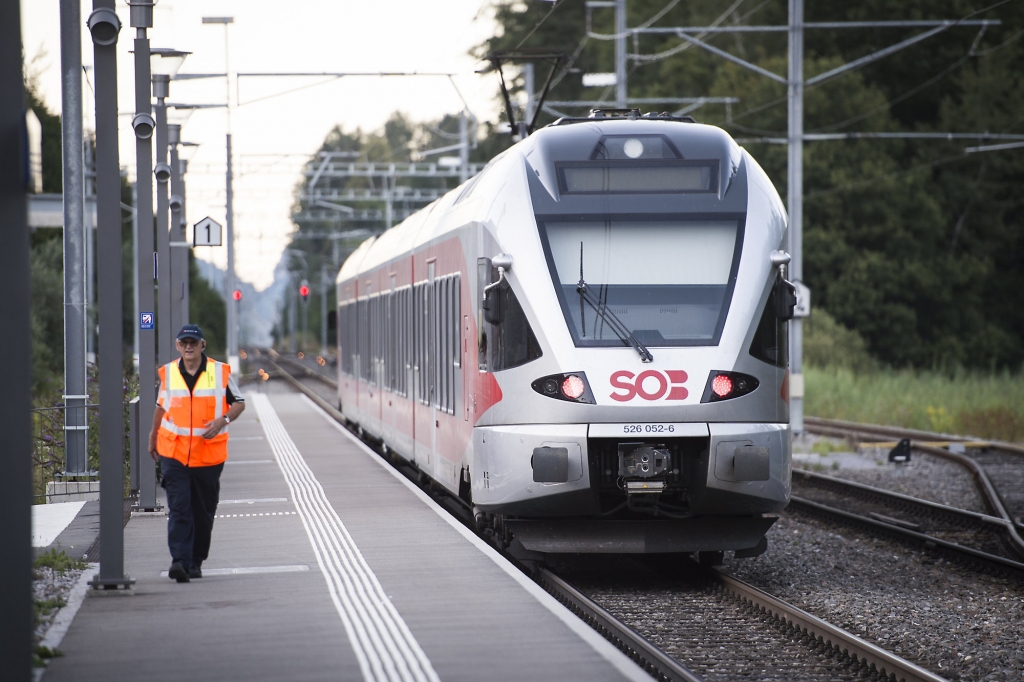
<point>304,291</point>
<point>237,295</point>
<point>722,385</point>
<point>573,387</point>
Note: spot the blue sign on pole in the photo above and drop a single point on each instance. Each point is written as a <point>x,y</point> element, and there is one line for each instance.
<point>146,321</point>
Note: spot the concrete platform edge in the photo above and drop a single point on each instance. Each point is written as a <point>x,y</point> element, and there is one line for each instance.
<point>601,646</point>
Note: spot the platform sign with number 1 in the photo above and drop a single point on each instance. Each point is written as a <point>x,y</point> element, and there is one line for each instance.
<point>207,232</point>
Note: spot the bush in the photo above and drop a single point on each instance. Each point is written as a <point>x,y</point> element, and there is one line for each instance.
<point>829,344</point>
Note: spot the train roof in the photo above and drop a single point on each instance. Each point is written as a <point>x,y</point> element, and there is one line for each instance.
<point>558,141</point>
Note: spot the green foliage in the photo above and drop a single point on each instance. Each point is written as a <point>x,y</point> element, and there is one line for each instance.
<point>828,344</point>
<point>47,314</point>
<point>59,562</point>
<point>912,243</point>
<point>206,307</point>
<point>982,404</point>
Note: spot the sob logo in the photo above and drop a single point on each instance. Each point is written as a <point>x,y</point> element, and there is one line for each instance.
<point>649,385</point>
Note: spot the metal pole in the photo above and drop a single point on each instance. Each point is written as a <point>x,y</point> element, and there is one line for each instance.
<point>76,459</point>
<point>89,233</point>
<point>323,309</point>
<point>232,304</point>
<point>163,237</point>
<point>108,210</point>
<point>620,54</point>
<point>141,19</point>
<point>305,323</point>
<point>15,400</point>
<point>795,186</point>
<point>178,245</point>
<point>292,319</point>
<point>135,275</point>
<point>528,86</point>
<point>185,315</point>
<point>464,146</point>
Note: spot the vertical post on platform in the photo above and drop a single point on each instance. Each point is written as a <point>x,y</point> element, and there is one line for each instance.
<point>104,26</point>
<point>144,124</point>
<point>178,246</point>
<point>135,275</point>
<point>795,189</point>
<point>162,171</point>
<point>76,459</point>
<point>15,400</point>
<point>232,335</point>
<point>620,54</point>
<point>187,250</point>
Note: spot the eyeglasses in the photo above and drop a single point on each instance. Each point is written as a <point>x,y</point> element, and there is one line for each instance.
<point>189,342</point>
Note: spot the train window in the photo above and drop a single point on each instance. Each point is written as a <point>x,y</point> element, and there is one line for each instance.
<point>363,360</point>
<point>771,338</point>
<point>511,342</point>
<point>635,147</point>
<point>630,178</point>
<point>668,281</point>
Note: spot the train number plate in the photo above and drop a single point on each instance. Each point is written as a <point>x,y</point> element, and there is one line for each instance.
<point>649,429</point>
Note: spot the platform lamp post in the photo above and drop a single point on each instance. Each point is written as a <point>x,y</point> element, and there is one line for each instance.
<point>165,63</point>
<point>178,245</point>
<point>141,17</point>
<point>230,285</point>
<point>104,27</point>
<point>185,153</point>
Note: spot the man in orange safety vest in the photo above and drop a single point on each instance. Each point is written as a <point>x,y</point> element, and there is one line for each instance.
<point>197,400</point>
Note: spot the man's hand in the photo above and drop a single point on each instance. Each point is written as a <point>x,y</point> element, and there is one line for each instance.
<point>215,427</point>
<point>152,448</point>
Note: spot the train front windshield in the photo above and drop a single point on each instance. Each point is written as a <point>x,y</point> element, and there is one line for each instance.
<point>668,281</point>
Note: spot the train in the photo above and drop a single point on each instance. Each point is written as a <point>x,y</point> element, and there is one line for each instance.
<point>586,342</point>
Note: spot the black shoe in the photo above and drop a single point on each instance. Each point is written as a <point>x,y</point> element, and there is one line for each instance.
<point>178,572</point>
<point>195,572</point>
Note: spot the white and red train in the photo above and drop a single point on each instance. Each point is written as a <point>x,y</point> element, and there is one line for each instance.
<point>587,342</point>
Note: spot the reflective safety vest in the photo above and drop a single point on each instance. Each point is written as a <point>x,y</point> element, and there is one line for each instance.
<point>188,416</point>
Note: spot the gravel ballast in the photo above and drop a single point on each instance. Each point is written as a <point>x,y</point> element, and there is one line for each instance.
<point>956,622</point>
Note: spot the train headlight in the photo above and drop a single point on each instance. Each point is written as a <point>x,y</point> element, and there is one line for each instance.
<point>570,386</point>
<point>728,385</point>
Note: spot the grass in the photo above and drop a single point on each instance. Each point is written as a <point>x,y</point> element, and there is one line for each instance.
<point>59,561</point>
<point>982,404</point>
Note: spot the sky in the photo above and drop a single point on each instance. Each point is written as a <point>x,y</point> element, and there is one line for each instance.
<point>275,131</point>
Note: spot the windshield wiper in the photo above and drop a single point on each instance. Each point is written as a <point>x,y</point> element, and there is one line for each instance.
<point>617,326</point>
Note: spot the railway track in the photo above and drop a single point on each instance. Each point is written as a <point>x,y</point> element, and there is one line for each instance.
<point>723,628</point>
<point>966,535</point>
<point>837,653</point>
<point>996,468</point>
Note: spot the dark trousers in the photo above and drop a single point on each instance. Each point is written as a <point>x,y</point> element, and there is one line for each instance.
<point>192,496</point>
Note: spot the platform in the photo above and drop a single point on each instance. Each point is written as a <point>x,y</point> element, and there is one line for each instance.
<point>327,565</point>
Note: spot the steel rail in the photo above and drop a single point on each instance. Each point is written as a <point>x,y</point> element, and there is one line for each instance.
<point>652,659</point>
<point>886,663</point>
<point>333,383</point>
<point>981,480</point>
<point>926,507</point>
<point>929,541</point>
<point>819,425</point>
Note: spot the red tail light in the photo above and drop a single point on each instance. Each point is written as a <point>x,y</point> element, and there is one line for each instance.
<point>727,385</point>
<point>573,387</point>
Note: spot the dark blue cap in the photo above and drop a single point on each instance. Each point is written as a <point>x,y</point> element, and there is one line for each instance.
<point>191,331</point>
